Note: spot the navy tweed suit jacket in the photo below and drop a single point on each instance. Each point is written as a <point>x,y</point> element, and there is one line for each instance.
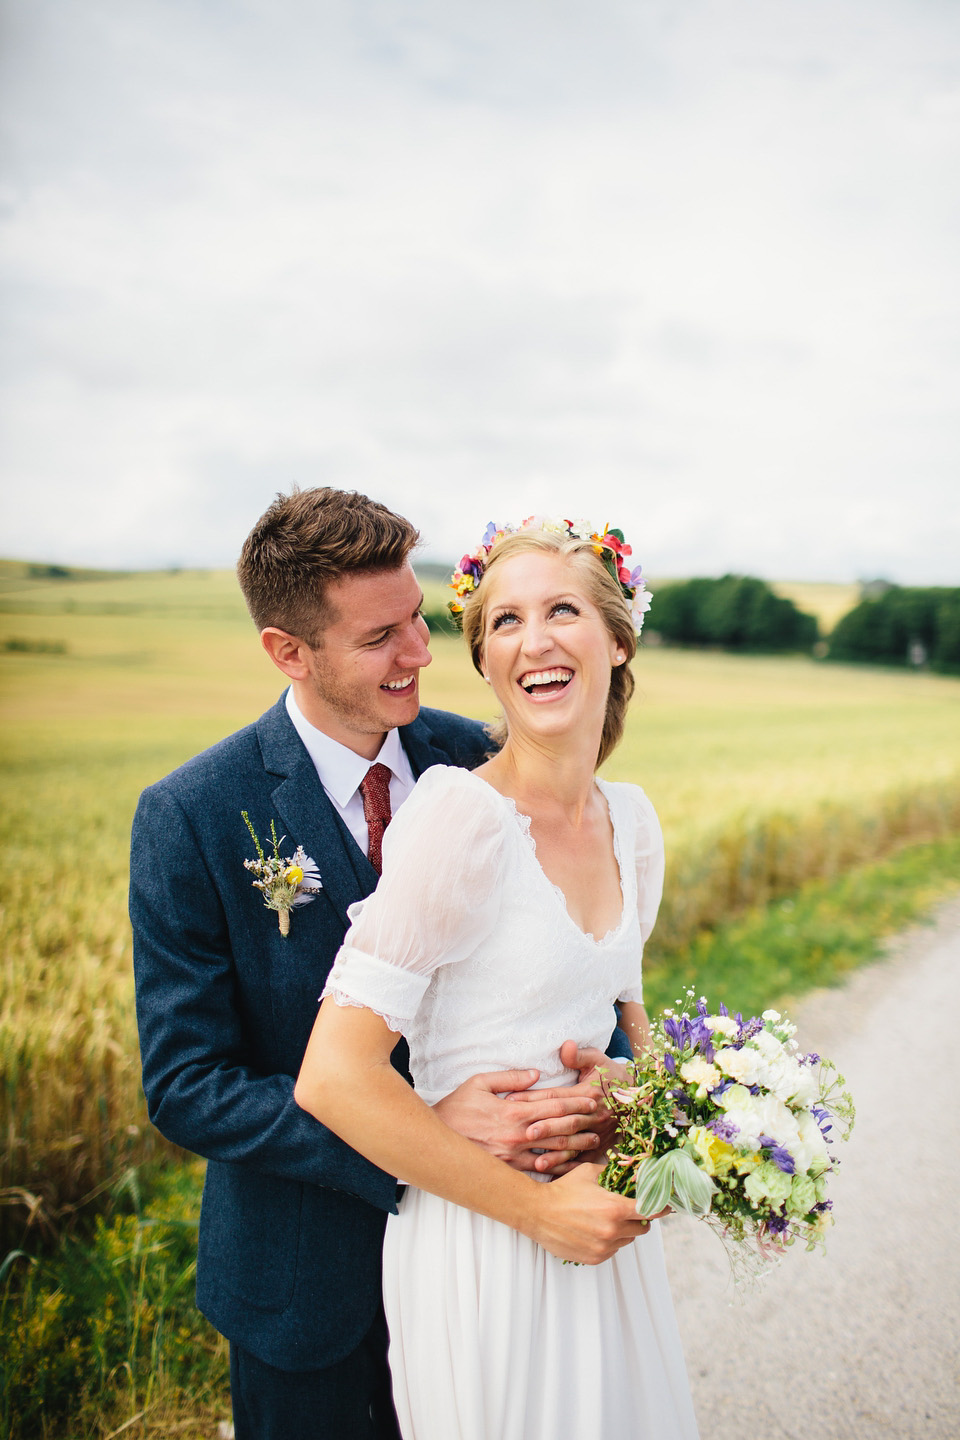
<point>292,1219</point>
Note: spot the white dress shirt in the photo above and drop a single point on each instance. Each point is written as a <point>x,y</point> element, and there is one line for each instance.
<point>341,770</point>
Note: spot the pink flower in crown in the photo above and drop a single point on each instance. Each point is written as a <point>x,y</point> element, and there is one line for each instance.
<point>614,543</point>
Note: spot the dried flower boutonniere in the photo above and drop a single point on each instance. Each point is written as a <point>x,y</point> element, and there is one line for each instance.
<point>284,882</point>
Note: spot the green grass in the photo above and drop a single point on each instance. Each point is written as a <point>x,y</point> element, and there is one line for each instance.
<point>774,954</point>
<point>101,1333</point>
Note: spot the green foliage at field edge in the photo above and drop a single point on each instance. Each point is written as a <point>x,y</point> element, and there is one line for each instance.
<point>773,954</point>
<point>103,1332</point>
<point>738,612</point>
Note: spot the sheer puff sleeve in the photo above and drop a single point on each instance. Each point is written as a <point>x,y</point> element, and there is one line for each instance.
<point>438,896</point>
<point>649,857</point>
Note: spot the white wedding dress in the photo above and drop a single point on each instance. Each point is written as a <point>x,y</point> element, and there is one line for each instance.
<point>467,948</point>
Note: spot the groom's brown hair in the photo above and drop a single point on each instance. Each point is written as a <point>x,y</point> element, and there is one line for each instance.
<point>308,540</point>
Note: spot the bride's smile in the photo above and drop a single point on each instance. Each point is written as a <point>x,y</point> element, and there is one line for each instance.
<point>546,650</point>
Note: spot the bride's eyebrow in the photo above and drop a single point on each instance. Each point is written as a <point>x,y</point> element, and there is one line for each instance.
<point>566,597</point>
<point>563,597</point>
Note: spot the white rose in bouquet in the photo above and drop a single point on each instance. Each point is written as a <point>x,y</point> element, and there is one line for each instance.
<point>743,1066</point>
<point>809,1149</point>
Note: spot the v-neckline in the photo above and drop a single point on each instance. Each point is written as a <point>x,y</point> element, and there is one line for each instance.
<point>524,822</point>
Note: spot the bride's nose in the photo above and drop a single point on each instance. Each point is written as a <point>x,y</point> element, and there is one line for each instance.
<point>537,639</point>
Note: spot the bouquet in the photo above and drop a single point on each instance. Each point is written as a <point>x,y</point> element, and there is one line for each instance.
<point>723,1118</point>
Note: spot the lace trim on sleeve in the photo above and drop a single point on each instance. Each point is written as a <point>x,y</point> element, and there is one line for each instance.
<point>340,997</point>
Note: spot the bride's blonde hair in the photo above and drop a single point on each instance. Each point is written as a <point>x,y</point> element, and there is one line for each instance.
<point>604,592</point>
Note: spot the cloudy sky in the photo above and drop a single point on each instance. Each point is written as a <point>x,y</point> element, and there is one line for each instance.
<point>687,266</point>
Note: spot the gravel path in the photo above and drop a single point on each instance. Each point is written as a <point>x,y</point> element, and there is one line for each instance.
<point>865,1343</point>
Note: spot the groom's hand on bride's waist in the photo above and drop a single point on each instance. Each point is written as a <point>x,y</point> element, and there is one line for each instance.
<point>544,1130</point>
<point>597,1121</point>
<point>596,1070</point>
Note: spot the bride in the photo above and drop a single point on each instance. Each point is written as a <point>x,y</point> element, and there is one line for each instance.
<point>512,913</point>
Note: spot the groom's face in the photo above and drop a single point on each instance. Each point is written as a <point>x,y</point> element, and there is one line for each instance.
<point>365,673</point>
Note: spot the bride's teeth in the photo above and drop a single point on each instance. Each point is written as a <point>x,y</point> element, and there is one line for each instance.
<point>546,677</point>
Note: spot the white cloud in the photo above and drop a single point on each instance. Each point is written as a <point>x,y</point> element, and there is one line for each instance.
<point>688,265</point>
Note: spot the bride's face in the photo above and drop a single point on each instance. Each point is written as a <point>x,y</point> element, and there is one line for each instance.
<point>546,648</point>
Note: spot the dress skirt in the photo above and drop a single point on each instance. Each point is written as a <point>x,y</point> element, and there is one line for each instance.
<point>493,1338</point>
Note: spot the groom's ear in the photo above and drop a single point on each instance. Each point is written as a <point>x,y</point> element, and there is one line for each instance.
<point>288,652</point>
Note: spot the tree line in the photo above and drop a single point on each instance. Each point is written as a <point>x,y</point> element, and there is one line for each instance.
<point>903,625</point>
<point>894,625</point>
<point>736,612</point>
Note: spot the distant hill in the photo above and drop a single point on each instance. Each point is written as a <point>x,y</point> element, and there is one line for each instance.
<point>43,571</point>
<point>827,601</point>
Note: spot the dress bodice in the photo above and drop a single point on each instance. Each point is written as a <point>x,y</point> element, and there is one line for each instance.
<point>468,949</point>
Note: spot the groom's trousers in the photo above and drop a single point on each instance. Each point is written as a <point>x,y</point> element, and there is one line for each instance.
<point>347,1401</point>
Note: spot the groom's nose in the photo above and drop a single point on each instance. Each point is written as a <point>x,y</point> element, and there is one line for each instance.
<point>413,652</point>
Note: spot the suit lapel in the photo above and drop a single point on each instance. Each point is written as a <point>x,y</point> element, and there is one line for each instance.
<point>422,750</point>
<point>307,816</point>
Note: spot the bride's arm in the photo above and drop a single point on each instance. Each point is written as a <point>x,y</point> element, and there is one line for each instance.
<point>348,1083</point>
<point>635,1024</point>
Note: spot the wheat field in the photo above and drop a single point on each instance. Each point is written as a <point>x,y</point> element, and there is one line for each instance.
<point>766,772</point>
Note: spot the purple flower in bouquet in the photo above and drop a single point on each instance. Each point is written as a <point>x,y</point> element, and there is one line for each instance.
<point>723,1128</point>
<point>678,1031</point>
<point>779,1154</point>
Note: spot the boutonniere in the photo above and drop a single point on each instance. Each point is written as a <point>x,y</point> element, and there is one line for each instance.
<point>284,882</point>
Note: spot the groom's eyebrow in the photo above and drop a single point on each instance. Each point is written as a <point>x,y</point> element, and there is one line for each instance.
<point>385,629</point>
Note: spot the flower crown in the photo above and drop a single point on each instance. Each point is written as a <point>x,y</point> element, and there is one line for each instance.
<point>608,544</point>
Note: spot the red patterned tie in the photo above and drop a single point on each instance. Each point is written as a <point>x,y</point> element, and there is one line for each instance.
<point>375,789</point>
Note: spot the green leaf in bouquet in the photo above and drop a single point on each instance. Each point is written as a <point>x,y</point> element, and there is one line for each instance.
<point>673,1179</point>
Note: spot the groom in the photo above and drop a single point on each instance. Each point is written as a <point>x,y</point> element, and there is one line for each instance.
<point>292,1219</point>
